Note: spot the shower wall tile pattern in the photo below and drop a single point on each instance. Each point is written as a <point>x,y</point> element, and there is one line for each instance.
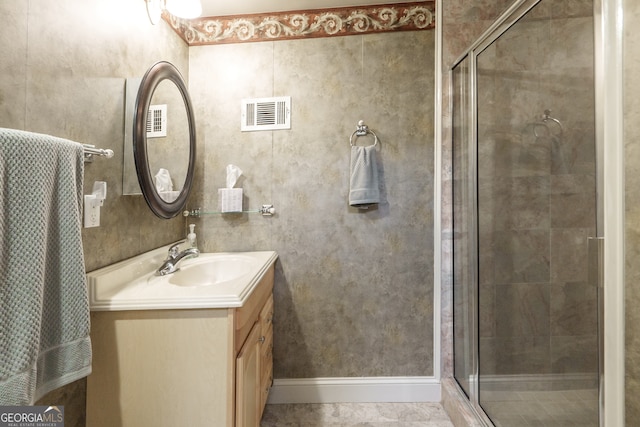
<point>522,198</point>
<point>353,289</point>
<point>537,197</point>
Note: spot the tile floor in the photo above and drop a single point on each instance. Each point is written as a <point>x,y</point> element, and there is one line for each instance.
<point>356,414</point>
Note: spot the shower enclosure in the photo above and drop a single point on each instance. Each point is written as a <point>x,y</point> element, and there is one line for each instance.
<point>525,209</point>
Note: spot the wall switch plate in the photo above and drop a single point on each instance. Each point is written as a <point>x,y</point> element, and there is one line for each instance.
<point>91,211</point>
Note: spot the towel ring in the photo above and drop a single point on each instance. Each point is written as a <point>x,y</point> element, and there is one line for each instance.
<point>362,130</point>
<point>543,123</point>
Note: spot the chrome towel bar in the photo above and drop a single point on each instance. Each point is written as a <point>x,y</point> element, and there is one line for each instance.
<point>91,150</point>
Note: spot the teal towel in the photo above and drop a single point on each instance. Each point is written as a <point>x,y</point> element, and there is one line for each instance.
<point>44,306</point>
<point>364,188</point>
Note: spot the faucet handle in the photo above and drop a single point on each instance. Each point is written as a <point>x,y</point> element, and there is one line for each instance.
<point>173,250</point>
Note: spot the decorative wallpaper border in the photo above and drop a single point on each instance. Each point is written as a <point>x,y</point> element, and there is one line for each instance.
<point>290,25</point>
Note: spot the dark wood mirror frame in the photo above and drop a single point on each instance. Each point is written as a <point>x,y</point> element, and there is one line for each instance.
<point>159,72</point>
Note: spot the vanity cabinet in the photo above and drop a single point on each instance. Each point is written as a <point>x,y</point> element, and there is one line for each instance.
<point>254,367</point>
<point>183,367</point>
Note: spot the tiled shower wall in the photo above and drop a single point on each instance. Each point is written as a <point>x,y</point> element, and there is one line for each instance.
<point>63,72</point>
<point>354,289</point>
<point>462,25</point>
<point>538,313</point>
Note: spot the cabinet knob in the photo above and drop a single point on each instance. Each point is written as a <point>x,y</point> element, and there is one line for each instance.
<point>261,339</point>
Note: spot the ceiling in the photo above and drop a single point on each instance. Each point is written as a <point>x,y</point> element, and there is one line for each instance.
<point>242,7</point>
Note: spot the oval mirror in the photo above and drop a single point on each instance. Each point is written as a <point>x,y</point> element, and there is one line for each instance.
<point>164,140</point>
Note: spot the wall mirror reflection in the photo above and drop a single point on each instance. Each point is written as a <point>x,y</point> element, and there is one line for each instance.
<point>159,140</point>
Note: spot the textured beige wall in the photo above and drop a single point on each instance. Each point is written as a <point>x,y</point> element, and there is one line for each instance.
<point>63,73</point>
<point>631,57</point>
<point>354,290</point>
<point>66,77</point>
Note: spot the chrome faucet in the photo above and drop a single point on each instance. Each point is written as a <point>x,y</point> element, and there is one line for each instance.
<point>170,265</point>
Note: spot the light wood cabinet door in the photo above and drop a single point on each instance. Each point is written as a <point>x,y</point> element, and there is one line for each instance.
<point>248,396</point>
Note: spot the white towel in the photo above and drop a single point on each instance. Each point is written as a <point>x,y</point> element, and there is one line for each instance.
<point>364,189</point>
<point>44,307</point>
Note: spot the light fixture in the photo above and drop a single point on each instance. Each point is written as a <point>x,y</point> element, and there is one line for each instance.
<point>187,9</point>
<point>154,10</point>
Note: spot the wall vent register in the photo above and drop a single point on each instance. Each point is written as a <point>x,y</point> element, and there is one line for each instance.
<point>157,121</point>
<point>266,114</point>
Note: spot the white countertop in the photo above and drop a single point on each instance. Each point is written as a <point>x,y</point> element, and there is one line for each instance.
<point>132,284</point>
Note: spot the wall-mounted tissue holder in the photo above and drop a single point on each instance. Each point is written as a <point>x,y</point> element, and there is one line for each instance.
<point>229,198</point>
<point>265,210</point>
<point>92,203</point>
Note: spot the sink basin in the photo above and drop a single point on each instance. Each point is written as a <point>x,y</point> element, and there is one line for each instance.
<point>211,269</point>
<point>212,280</point>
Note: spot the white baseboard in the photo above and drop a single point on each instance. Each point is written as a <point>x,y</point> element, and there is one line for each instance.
<point>352,390</point>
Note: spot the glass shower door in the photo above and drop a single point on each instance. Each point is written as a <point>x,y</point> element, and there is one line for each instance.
<point>536,192</point>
